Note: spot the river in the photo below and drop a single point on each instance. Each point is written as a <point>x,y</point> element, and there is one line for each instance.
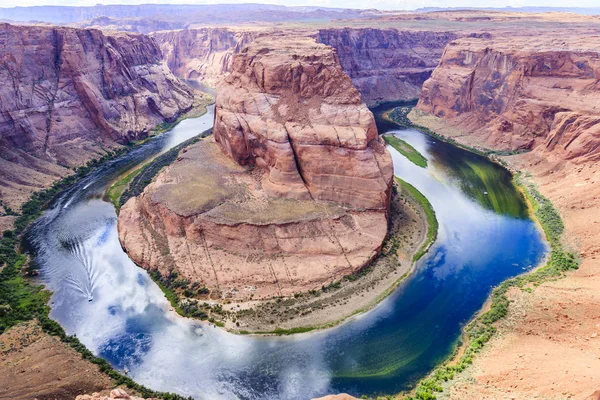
<point>120,314</point>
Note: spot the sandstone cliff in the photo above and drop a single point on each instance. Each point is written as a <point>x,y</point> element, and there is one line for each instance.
<point>291,194</point>
<point>203,54</point>
<point>297,115</point>
<point>521,93</point>
<point>537,93</point>
<point>68,94</point>
<point>387,64</point>
<point>114,394</point>
<point>384,64</point>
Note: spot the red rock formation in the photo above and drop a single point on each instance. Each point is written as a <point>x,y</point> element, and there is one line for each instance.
<point>70,93</point>
<point>297,197</point>
<point>521,93</point>
<point>387,64</point>
<point>289,108</point>
<point>203,54</point>
<point>114,394</point>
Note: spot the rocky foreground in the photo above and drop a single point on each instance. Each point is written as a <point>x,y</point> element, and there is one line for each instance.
<point>68,95</point>
<point>291,194</point>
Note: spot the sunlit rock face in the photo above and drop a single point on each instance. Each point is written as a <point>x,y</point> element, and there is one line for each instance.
<point>292,193</point>
<point>204,54</point>
<point>288,108</point>
<point>521,93</point>
<point>67,94</point>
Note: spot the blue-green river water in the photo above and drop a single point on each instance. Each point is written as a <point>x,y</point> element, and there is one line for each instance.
<point>484,238</point>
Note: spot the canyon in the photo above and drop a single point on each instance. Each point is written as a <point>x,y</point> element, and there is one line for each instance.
<point>296,193</point>
<point>297,178</point>
<point>384,64</point>
<point>71,95</point>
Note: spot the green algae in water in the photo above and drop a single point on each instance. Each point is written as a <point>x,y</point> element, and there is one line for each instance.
<point>483,181</point>
<point>406,150</point>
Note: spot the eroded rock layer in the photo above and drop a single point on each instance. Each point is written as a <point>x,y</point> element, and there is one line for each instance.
<point>292,193</point>
<point>203,54</point>
<point>70,93</point>
<point>521,94</point>
<point>387,64</point>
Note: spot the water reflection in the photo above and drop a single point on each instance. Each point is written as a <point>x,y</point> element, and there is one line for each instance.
<point>131,324</point>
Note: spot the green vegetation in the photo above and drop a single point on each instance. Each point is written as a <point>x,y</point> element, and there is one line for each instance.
<point>432,223</point>
<point>399,115</point>
<point>116,190</point>
<point>406,150</point>
<point>139,181</point>
<point>482,328</point>
<point>184,296</point>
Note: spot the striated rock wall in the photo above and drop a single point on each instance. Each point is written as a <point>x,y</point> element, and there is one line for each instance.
<point>203,54</point>
<point>384,64</point>
<point>387,64</point>
<point>68,94</point>
<point>292,193</point>
<point>288,108</point>
<point>521,93</point>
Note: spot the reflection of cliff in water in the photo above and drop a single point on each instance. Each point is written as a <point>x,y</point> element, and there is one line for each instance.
<point>483,181</point>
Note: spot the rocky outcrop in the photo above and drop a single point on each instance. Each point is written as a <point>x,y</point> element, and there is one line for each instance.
<point>387,64</point>
<point>203,54</point>
<point>69,94</point>
<point>290,195</point>
<point>289,108</point>
<point>521,94</point>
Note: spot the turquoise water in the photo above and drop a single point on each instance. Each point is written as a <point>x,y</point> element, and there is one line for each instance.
<point>128,321</point>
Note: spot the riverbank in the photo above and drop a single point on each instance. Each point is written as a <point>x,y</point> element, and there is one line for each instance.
<point>485,325</point>
<point>24,305</point>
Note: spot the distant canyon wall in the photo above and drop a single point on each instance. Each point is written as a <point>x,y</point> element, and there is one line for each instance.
<point>384,64</point>
<point>387,64</point>
<point>203,54</point>
<point>521,94</point>
<point>68,94</point>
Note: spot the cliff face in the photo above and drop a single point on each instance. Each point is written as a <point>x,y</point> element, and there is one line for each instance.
<point>384,64</point>
<point>70,93</point>
<point>387,64</point>
<point>296,114</point>
<point>202,54</point>
<point>516,94</point>
<point>292,193</point>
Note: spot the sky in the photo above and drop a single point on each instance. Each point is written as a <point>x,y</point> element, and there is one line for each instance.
<point>380,4</point>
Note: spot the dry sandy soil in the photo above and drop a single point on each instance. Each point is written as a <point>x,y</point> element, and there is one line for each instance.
<point>549,346</point>
<point>36,365</point>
